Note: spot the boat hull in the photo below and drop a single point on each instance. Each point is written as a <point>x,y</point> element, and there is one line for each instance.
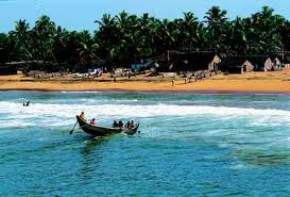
<point>103,131</point>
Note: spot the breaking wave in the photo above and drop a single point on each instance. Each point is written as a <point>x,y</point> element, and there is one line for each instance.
<point>55,114</point>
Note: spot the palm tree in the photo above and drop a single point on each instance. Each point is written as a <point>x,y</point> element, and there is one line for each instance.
<point>189,31</point>
<point>87,49</point>
<point>202,42</point>
<point>238,37</point>
<point>215,16</point>
<point>285,35</point>
<point>265,26</point>
<point>166,36</point>
<point>106,37</point>
<point>216,20</point>
<point>22,39</point>
<point>4,48</point>
<point>126,38</point>
<point>43,34</point>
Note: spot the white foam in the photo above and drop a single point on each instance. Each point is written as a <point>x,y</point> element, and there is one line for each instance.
<point>69,110</point>
<point>57,114</point>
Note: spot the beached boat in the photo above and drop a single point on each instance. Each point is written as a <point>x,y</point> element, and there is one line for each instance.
<point>102,131</point>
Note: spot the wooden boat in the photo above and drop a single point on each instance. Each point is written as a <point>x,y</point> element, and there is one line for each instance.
<point>102,131</point>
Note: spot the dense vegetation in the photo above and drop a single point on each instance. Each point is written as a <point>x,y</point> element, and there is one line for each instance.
<point>124,39</point>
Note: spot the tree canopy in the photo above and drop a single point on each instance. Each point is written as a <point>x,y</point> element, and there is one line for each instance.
<point>125,38</point>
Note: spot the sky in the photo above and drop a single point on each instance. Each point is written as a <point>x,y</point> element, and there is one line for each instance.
<point>81,14</point>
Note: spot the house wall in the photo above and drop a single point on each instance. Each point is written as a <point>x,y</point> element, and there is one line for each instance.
<point>277,64</point>
<point>213,65</point>
<point>268,65</point>
<point>247,66</point>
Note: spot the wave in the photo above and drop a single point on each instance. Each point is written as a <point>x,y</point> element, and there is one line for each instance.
<point>57,114</point>
<point>68,110</point>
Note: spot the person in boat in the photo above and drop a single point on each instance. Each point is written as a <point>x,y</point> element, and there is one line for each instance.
<point>82,115</point>
<point>115,124</point>
<point>120,124</point>
<point>127,125</point>
<point>131,125</point>
<point>93,122</point>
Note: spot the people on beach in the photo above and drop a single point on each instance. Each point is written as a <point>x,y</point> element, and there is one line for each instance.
<point>93,122</point>
<point>172,82</point>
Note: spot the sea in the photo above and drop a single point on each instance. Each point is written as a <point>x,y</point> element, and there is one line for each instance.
<point>190,144</point>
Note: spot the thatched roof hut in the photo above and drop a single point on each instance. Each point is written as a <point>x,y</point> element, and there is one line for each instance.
<point>189,61</point>
<point>261,62</point>
<point>236,65</point>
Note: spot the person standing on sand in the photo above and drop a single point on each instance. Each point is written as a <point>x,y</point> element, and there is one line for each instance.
<point>172,82</point>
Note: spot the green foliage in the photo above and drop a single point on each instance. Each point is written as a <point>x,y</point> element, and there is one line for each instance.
<point>123,39</point>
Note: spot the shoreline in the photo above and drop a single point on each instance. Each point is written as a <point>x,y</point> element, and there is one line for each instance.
<point>202,92</point>
<point>277,82</point>
<point>203,87</point>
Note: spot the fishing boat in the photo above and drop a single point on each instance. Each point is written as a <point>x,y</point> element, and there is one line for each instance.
<point>102,131</point>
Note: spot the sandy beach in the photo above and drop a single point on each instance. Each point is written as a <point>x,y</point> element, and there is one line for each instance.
<point>276,82</point>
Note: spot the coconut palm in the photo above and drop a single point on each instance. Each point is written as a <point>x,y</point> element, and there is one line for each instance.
<point>106,37</point>
<point>265,27</point>
<point>87,49</point>
<point>126,38</point>
<point>5,50</point>
<point>21,37</point>
<point>43,34</point>
<point>189,31</point>
<point>216,23</point>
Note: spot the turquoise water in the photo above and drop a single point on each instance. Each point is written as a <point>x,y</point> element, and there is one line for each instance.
<point>190,145</point>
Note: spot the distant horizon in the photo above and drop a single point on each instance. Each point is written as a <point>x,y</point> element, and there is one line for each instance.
<point>80,15</point>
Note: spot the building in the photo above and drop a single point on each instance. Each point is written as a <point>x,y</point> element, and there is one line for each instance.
<point>277,64</point>
<point>261,62</point>
<point>175,61</point>
<point>236,64</point>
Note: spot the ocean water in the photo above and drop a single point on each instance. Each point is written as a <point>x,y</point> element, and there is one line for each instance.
<point>189,145</point>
